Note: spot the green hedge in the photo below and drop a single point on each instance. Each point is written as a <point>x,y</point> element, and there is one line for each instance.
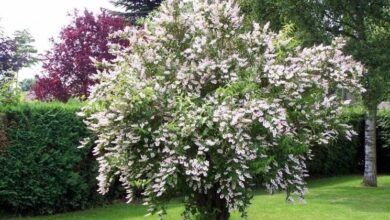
<point>383,141</point>
<point>42,170</point>
<point>341,156</point>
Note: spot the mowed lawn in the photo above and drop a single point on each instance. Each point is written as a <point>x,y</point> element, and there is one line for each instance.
<point>327,199</point>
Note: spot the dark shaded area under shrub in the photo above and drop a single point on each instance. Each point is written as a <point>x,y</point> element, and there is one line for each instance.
<point>347,157</point>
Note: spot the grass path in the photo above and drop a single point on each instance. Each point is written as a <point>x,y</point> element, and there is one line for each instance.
<point>327,199</point>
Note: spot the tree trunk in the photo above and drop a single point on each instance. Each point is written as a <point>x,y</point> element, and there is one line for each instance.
<point>224,212</point>
<point>370,170</point>
<point>212,206</point>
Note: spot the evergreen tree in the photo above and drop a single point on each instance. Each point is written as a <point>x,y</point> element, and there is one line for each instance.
<point>135,9</point>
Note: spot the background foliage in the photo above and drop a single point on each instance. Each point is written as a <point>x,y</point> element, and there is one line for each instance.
<point>27,84</point>
<point>343,157</point>
<point>135,9</point>
<point>16,52</point>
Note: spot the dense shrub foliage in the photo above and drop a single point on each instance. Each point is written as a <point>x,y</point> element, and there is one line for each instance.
<point>10,93</point>
<point>202,105</point>
<point>42,170</point>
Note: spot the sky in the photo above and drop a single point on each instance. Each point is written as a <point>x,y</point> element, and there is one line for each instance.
<point>43,19</point>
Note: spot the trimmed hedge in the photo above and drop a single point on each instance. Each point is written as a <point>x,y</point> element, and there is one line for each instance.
<point>341,156</point>
<point>383,140</point>
<point>42,170</point>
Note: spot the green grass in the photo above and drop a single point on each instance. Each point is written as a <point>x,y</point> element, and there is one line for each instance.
<point>327,199</point>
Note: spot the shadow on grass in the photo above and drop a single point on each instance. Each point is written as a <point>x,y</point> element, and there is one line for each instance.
<point>329,182</point>
<point>118,211</point>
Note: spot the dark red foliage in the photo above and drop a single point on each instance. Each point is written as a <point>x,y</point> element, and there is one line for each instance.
<point>51,88</point>
<point>68,63</point>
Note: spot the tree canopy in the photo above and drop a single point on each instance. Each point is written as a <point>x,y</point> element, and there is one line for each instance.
<point>135,9</point>
<point>68,64</point>
<point>366,26</point>
<point>16,52</point>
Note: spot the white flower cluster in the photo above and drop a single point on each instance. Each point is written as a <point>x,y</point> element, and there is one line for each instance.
<point>198,104</point>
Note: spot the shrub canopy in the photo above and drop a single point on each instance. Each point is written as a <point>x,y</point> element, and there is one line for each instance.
<point>201,105</point>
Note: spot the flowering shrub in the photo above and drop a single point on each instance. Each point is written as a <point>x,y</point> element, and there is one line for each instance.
<point>202,106</point>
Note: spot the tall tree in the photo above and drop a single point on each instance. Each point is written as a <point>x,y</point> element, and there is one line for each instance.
<point>68,63</point>
<point>366,25</point>
<point>7,57</point>
<point>16,52</point>
<point>135,9</point>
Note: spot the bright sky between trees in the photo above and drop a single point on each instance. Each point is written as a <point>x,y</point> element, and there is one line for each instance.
<point>43,19</point>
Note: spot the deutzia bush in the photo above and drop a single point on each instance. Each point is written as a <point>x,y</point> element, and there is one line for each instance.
<point>199,105</point>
